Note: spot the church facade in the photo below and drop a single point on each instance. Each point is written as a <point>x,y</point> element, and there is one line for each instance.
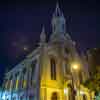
<point>47,72</point>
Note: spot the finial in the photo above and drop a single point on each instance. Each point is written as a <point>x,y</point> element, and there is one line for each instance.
<point>57,5</point>
<point>58,11</point>
<point>43,29</point>
<point>43,35</point>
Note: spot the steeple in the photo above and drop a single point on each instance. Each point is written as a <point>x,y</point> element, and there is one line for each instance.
<point>57,11</point>
<point>42,36</point>
<point>58,23</point>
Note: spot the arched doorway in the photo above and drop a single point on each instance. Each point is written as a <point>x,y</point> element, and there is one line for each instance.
<point>54,96</point>
<point>84,97</point>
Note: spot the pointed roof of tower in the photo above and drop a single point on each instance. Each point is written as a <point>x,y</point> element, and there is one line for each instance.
<point>43,35</point>
<point>58,11</point>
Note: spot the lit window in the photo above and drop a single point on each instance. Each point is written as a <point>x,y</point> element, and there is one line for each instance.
<point>53,69</point>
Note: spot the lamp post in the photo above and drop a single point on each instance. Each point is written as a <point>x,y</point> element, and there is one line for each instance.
<point>74,68</point>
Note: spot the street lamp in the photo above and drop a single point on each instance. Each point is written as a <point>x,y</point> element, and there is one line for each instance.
<point>74,68</point>
<point>65,91</point>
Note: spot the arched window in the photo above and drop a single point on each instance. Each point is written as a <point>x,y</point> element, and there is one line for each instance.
<point>10,86</point>
<point>33,67</point>
<point>54,96</point>
<point>23,78</point>
<point>22,97</point>
<point>67,51</point>
<point>53,69</point>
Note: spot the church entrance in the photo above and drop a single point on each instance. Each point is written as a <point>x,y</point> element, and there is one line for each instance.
<point>54,96</point>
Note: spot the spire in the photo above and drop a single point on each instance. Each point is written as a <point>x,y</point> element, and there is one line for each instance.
<point>57,10</point>
<point>43,35</point>
<point>58,21</point>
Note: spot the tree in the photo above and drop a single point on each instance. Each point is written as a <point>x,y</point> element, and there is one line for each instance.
<point>97,97</point>
<point>93,83</point>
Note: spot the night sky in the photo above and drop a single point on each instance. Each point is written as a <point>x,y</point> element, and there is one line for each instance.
<point>21,23</point>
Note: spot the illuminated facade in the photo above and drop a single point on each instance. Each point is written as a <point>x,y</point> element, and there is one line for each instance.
<point>46,73</point>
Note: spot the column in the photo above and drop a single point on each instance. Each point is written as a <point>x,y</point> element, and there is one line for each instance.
<point>18,83</point>
<point>28,78</point>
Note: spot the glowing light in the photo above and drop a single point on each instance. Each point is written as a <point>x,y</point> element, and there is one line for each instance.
<point>65,91</point>
<point>4,97</point>
<point>81,92</point>
<point>75,66</point>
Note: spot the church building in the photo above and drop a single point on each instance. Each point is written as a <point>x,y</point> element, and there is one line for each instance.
<point>53,71</point>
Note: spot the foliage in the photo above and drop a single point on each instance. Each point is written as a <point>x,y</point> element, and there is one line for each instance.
<point>97,97</point>
<point>94,82</point>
